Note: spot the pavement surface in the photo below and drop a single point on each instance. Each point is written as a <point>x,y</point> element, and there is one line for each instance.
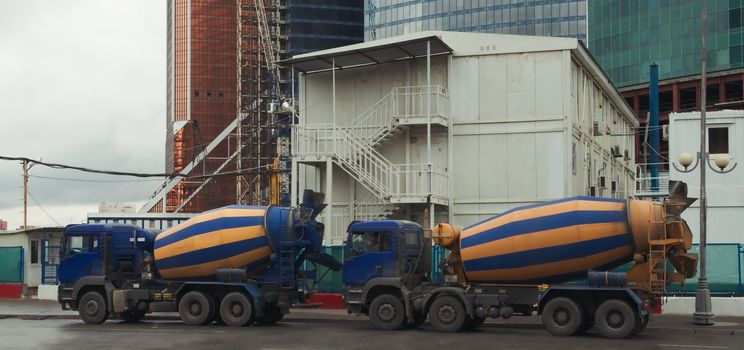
<point>42,325</point>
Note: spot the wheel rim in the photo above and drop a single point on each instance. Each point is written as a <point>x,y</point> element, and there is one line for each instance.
<point>386,312</point>
<point>236,310</point>
<point>91,308</point>
<point>447,314</point>
<point>195,309</point>
<point>615,319</point>
<point>561,317</point>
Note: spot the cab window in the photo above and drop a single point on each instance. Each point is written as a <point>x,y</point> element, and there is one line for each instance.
<point>365,242</point>
<point>80,243</point>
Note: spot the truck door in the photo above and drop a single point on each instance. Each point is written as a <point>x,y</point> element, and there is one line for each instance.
<point>80,256</point>
<point>369,255</point>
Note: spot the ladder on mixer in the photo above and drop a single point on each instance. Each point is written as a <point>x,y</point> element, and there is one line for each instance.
<point>286,265</point>
<point>657,245</point>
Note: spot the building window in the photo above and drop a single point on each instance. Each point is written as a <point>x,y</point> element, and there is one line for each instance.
<point>718,140</point>
<point>34,252</point>
<point>196,93</point>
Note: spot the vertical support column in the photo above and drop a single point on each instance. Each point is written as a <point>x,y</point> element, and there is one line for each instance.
<point>294,183</point>
<point>329,198</point>
<point>653,126</point>
<point>333,92</point>
<point>428,132</point>
<point>450,150</point>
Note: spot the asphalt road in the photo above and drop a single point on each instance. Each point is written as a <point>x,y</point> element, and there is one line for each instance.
<point>307,330</point>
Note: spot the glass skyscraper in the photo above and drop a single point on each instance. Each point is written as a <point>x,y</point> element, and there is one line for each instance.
<point>388,18</point>
<point>626,36</point>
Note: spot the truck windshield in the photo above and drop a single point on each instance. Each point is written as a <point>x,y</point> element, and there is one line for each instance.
<point>364,242</point>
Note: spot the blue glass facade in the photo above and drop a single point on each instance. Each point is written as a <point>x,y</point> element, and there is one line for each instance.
<point>314,25</point>
<point>628,35</point>
<point>388,18</point>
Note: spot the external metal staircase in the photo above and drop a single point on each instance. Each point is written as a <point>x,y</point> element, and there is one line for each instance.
<point>401,107</point>
<point>353,149</point>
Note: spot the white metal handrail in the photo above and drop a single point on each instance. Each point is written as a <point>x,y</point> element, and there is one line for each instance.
<point>414,180</point>
<point>644,180</point>
<point>403,102</point>
<point>363,162</point>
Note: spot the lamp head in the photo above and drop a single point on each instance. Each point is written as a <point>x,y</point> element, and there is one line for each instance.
<point>685,159</point>
<point>722,161</point>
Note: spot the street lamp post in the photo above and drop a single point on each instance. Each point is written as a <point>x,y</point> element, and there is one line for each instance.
<point>703,311</point>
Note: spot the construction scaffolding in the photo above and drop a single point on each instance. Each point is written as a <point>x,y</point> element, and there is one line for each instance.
<point>263,89</point>
<point>228,106</point>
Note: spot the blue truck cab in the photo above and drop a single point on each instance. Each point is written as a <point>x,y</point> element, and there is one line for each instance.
<point>384,261</point>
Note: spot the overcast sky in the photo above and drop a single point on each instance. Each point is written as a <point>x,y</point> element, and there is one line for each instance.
<point>81,82</point>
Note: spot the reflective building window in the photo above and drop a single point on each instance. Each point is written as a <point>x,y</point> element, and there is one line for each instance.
<point>565,18</point>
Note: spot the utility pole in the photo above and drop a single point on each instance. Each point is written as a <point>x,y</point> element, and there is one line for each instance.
<point>25,193</point>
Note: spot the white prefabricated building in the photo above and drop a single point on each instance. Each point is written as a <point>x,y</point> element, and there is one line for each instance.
<point>466,125</point>
<point>724,192</point>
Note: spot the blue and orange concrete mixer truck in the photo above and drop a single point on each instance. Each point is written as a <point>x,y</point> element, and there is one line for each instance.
<point>518,263</point>
<point>236,265</point>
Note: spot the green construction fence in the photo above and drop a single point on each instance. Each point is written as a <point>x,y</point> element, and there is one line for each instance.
<point>11,264</point>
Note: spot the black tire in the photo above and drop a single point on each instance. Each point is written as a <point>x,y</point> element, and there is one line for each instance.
<point>92,308</point>
<point>563,317</point>
<point>640,326</point>
<point>447,314</point>
<point>473,323</point>
<point>196,308</point>
<point>236,310</point>
<point>272,315</point>
<point>387,312</point>
<point>616,319</point>
<point>131,316</point>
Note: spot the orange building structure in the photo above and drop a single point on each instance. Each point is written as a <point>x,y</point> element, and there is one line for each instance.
<point>216,73</point>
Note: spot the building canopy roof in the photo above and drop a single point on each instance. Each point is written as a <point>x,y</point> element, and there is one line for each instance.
<point>376,52</point>
<point>458,44</point>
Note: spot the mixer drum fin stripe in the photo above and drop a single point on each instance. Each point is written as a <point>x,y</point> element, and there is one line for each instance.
<point>211,254</point>
<point>227,212</point>
<point>548,255</point>
<point>209,269</point>
<point>209,226</point>
<point>543,223</point>
<point>574,203</point>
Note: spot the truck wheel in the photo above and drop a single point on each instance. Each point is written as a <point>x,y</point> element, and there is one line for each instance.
<point>562,317</point>
<point>196,308</point>
<point>131,316</point>
<point>387,312</point>
<point>236,310</point>
<point>271,315</point>
<point>615,319</point>
<point>447,314</point>
<point>640,326</point>
<point>92,308</point>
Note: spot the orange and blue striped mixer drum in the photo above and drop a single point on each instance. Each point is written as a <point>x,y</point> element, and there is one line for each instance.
<point>229,237</point>
<point>550,242</point>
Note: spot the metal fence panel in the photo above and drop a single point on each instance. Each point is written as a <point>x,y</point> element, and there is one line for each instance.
<point>49,264</point>
<point>724,271</point>
<point>11,264</point>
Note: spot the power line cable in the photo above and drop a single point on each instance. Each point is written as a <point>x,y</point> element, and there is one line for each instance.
<point>42,208</point>
<point>90,180</point>
<point>141,175</point>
